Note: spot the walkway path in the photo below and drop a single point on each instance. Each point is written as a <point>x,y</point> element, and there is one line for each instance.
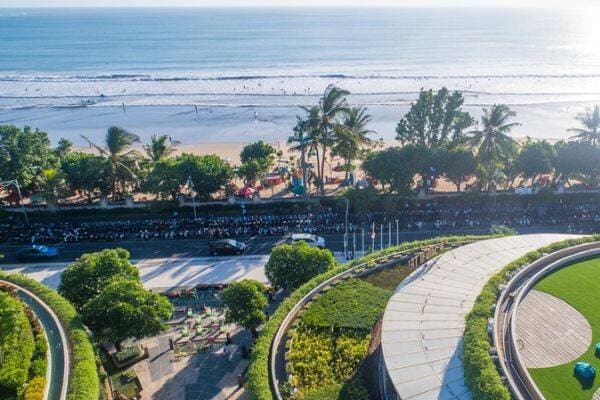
<point>425,319</point>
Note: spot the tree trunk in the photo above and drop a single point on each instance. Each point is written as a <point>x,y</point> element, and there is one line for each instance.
<point>303,166</point>
<point>457,186</point>
<point>254,332</point>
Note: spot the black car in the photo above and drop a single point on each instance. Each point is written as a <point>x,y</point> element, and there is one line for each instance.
<point>226,246</point>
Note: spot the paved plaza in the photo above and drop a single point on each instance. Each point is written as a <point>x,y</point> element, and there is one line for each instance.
<point>425,319</point>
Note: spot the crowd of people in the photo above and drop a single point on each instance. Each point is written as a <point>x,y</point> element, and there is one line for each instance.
<point>413,216</point>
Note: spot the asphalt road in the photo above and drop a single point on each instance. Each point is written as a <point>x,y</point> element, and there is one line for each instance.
<point>256,245</point>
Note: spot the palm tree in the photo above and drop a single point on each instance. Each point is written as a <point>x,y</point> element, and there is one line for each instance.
<point>331,106</point>
<point>590,132</point>
<point>160,147</point>
<point>120,162</point>
<point>351,136</point>
<point>492,142</point>
<point>52,185</point>
<point>300,142</point>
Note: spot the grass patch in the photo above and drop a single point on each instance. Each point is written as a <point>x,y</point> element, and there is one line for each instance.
<point>578,284</point>
<point>352,304</point>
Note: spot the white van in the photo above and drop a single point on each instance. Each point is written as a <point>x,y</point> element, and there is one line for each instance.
<point>311,240</point>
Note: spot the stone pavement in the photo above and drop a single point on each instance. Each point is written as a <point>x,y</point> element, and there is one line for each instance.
<point>198,377</point>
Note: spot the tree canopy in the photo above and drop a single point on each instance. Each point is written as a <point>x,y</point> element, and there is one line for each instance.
<point>257,159</point>
<point>91,273</point>
<point>435,119</point>
<point>291,265</point>
<point>245,302</point>
<point>124,309</point>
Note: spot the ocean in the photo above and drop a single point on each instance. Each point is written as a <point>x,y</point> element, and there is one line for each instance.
<point>201,74</point>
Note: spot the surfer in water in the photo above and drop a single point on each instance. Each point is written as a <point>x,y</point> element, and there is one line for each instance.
<point>255,117</point>
<point>124,108</point>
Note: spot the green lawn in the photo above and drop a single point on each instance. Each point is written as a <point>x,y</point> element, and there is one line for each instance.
<point>578,285</point>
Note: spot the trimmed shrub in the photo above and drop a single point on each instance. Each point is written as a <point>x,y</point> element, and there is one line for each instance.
<point>257,385</point>
<point>481,373</point>
<point>84,382</point>
<point>128,353</point>
<point>35,389</point>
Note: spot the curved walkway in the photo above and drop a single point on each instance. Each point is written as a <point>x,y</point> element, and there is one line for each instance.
<point>57,381</point>
<point>424,321</point>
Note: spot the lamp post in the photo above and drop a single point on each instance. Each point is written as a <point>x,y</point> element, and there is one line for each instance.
<point>397,234</point>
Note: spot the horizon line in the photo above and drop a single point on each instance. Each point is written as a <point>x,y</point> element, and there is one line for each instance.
<point>331,6</point>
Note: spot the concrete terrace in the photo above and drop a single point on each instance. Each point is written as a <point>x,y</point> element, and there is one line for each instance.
<point>425,319</point>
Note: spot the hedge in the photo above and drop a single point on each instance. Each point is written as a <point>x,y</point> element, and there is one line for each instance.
<point>16,338</point>
<point>257,385</point>
<point>481,373</point>
<point>84,382</point>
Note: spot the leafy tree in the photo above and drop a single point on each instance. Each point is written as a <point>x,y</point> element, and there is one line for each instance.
<point>164,178</point>
<point>434,120</point>
<point>394,167</point>
<point>82,172</point>
<point>160,147</point>
<point>536,158</point>
<point>590,120</point>
<point>120,161</point>
<point>351,136</point>
<point>124,309</point>
<point>64,147</point>
<point>91,273</point>
<point>579,160</point>
<point>459,164</point>
<point>291,265</point>
<point>52,185</point>
<point>492,141</point>
<point>245,302</point>
<point>209,173</point>
<point>257,158</point>
<point>24,154</point>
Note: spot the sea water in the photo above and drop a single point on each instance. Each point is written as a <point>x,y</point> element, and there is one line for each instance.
<point>68,70</point>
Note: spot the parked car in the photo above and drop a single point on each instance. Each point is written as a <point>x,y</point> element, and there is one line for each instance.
<point>311,240</point>
<point>37,252</point>
<point>225,247</point>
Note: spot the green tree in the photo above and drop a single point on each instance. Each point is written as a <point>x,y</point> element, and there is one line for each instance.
<point>394,167</point>
<point>82,172</point>
<point>492,143</point>
<point>257,159</point>
<point>536,158</point>
<point>163,178</point>
<point>435,120</point>
<point>291,265</point>
<point>590,121</point>
<point>352,136</point>
<point>160,147</point>
<point>578,160</point>
<point>245,302</point>
<point>124,309</point>
<point>64,147</point>
<point>92,272</point>
<point>459,165</point>
<point>52,185</point>
<point>24,154</point>
<point>120,161</point>
<point>209,173</point>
